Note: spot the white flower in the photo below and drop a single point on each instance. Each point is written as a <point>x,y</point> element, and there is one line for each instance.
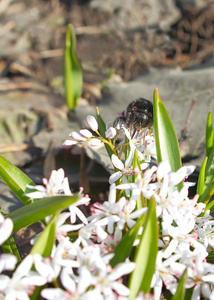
<point>22,283</point>
<point>92,122</point>
<point>124,169</point>
<point>76,136</point>
<point>110,132</point>
<point>7,262</point>
<point>46,267</point>
<point>107,280</point>
<point>95,142</point>
<point>53,187</point>
<point>6,228</point>
<point>62,229</point>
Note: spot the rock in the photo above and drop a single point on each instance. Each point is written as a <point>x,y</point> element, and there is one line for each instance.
<point>178,90</point>
<point>138,14</point>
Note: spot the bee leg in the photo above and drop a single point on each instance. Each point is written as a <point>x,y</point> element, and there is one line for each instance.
<point>133,134</point>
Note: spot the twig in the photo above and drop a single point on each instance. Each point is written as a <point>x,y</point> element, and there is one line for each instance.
<point>185,131</point>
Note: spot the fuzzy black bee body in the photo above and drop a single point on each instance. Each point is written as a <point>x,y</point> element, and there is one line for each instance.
<point>138,115</point>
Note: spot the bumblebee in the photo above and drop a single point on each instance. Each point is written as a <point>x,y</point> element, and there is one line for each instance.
<point>138,115</point>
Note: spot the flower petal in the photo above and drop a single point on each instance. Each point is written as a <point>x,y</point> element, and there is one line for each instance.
<point>117,162</point>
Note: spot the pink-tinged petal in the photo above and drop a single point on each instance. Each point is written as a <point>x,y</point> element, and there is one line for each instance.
<point>114,177</point>
<point>67,281</point>
<point>120,289</point>
<point>86,133</point>
<point>127,133</point>
<point>95,142</point>
<point>109,124</point>
<point>117,162</point>
<point>93,294</point>
<point>128,162</point>
<point>53,293</point>
<point>102,235</point>
<point>7,262</point>
<point>110,132</point>
<point>127,186</point>
<point>6,228</point>
<point>122,269</point>
<point>59,176</point>
<point>112,194</point>
<point>77,136</point>
<point>36,195</point>
<point>68,227</point>
<point>69,143</point>
<point>66,187</point>
<point>81,216</point>
<point>163,169</point>
<point>85,279</point>
<point>39,188</point>
<point>62,218</point>
<point>196,292</point>
<point>24,267</point>
<point>34,280</point>
<point>206,290</point>
<point>170,248</point>
<point>190,169</point>
<point>138,213</point>
<point>144,166</point>
<point>92,122</point>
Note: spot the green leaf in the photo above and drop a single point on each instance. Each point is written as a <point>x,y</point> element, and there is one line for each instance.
<point>209,134</point>
<point>102,130</point>
<point>124,248</point>
<point>15,179</point>
<point>135,164</point>
<point>44,244</point>
<point>180,292</point>
<point>73,78</point>
<point>145,258</point>
<point>165,137</point>
<point>201,178</point>
<point>10,247</point>
<point>209,179</point>
<point>40,209</point>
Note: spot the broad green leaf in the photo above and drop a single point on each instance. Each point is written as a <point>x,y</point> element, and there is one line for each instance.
<point>44,244</point>
<point>40,209</point>
<point>145,258</point>
<point>165,137</point>
<point>209,179</point>
<point>73,78</point>
<point>10,247</point>
<point>102,130</point>
<point>201,178</point>
<point>209,134</point>
<point>124,248</point>
<point>210,206</point>
<point>180,292</point>
<point>135,164</point>
<point>15,179</point>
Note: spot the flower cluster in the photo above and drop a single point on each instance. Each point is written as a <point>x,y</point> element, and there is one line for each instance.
<point>80,265</point>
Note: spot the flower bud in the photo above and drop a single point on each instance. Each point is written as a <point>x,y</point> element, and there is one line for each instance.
<point>86,133</point>
<point>110,132</point>
<point>77,136</point>
<point>92,122</point>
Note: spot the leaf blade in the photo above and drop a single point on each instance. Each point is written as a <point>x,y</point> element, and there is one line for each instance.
<point>15,179</point>
<point>165,137</point>
<point>40,209</point>
<point>73,78</point>
<point>145,259</point>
